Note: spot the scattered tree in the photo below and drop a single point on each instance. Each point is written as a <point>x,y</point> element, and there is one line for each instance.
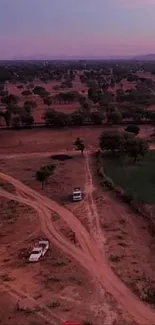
<point>41,177</point>
<point>110,141</point>
<point>44,94</point>
<point>124,143</point>
<point>44,172</point>
<point>47,101</point>
<point>28,105</point>
<point>150,115</point>
<point>27,120</point>
<point>56,119</point>
<point>114,117</point>
<point>26,93</point>
<point>16,122</point>
<point>7,115</point>
<point>41,91</point>
<point>133,129</point>
<point>79,145</point>
<point>135,147</point>
<point>96,118</point>
<point>86,106</point>
<point>78,118</point>
<point>10,100</point>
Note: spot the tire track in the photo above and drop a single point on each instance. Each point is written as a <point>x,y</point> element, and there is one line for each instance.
<point>42,311</point>
<point>89,256</point>
<point>92,210</point>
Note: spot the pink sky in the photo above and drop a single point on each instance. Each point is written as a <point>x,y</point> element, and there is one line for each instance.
<point>137,3</point>
<point>83,27</point>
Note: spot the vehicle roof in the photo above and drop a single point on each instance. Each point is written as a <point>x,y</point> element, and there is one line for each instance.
<point>38,248</point>
<point>43,241</point>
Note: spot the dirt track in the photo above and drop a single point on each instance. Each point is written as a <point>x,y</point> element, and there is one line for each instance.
<point>91,252</point>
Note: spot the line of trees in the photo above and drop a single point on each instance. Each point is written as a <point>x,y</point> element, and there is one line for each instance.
<point>56,119</point>
<point>22,117</point>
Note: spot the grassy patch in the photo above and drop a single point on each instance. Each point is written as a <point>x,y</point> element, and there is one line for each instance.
<point>137,180</point>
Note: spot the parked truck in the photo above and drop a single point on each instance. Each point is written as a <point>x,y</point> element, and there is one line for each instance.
<point>39,250</point>
<point>77,194</point>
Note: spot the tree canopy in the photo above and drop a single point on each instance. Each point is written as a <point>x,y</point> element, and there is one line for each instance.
<point>133,129</point>
<point>44,172</point>
<point>79,145</point>
<point>124,143</point>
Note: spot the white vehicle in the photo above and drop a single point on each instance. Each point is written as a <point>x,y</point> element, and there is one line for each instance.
<point>36,254</point>
<point>44,244</point>
<point>39,251</point>
<point>77,194</point>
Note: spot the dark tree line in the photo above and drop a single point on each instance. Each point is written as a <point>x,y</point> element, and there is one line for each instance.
<point>123,143</point>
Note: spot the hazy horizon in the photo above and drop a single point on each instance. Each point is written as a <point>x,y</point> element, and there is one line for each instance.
<point>49,28</point>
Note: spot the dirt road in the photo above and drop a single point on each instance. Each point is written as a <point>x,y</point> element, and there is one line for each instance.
<point>91,253</point>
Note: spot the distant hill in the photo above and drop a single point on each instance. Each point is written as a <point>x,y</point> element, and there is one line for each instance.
<point>148,57</point>
<point>44,57</point>
<point>73,57</point>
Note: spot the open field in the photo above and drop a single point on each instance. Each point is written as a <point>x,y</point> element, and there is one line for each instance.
<point>137,180</point>
<point>41,140</point>
<point>56,282</point>
<point>129,243</point>
<point>100,265</point>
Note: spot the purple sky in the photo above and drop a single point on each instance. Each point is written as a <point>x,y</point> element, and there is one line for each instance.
<point>76,27</point>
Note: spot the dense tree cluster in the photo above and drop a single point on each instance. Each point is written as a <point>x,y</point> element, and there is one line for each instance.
<point>123,143</point>
<point>57,119</point>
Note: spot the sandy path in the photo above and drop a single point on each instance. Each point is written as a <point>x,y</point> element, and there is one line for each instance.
<point>93,217</point>
<point>89,255</point>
